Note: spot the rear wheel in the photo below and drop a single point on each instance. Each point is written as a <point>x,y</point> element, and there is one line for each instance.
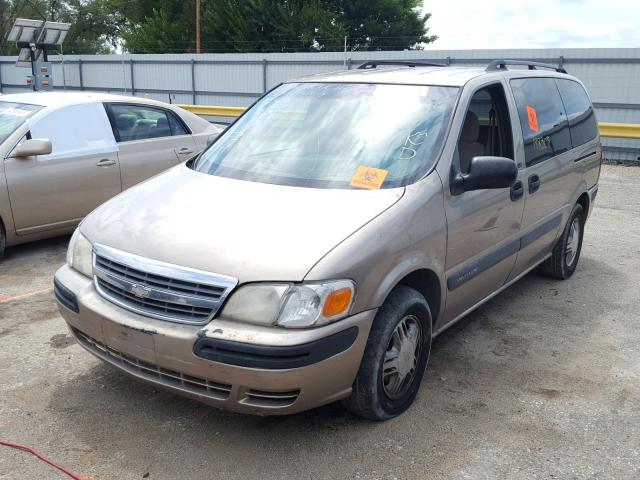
<point>566,253</point>
<point>395,357</point>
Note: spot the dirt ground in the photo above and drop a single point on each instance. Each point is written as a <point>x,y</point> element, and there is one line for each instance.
<point>541,382</point>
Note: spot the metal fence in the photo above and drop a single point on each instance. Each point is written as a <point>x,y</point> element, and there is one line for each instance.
<point>611,75</point>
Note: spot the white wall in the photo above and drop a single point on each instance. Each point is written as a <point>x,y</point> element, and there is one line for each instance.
<point>611,76</point>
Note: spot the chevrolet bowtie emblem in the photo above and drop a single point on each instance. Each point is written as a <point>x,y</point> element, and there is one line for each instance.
<point>140,291</point>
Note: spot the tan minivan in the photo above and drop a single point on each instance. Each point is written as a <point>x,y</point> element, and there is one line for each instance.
<point>313,252</point>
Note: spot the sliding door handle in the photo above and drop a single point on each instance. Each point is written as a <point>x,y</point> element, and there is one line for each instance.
<point>534,183</point>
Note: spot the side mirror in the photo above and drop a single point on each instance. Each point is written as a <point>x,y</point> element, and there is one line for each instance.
<point>31,148</point>
<point>485,173</point>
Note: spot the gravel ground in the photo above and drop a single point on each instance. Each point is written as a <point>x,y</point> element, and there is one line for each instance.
<point>541,382</point>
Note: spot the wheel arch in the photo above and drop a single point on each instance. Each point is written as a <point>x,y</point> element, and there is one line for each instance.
<point>428,284</point>
<point>585,202</point>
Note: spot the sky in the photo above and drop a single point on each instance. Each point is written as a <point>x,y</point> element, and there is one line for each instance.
<point>466,24</point>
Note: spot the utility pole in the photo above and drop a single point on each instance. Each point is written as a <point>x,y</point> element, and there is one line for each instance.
<point>198,26</point>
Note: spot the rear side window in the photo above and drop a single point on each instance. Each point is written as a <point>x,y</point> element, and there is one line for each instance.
<point>141,122</point>
<point>545,128</point>
<point>582,118</point>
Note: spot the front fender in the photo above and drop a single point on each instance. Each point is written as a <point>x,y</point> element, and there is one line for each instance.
<point>409,236</point>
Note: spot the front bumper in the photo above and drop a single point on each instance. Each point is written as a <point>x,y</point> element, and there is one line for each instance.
<point>162,353</point>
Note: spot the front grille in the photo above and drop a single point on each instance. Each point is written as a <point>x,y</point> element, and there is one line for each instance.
<point>169,284</point>
<point>158,289</point>
<point>148,371</point>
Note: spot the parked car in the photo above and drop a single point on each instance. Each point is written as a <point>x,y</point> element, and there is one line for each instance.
<point>66,153</point>
<point>313,252</point>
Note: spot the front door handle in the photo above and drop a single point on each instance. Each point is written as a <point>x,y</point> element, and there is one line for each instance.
<point>534,183</point>
<point>105,162</point>
<point>517,191</point>
<point>184,151</point>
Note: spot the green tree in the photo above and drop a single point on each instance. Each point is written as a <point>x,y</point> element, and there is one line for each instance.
<point>270,26</point>
<point>94,27</point>
<point>158,33</point>
<point>384,24</point>
<point>168,26</point>
<point>156,26</point>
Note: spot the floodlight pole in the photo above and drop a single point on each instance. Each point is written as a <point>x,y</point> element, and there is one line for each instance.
<point>32,53</point>
<point>197,26</point>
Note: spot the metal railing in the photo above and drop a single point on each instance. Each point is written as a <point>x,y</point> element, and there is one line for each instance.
<point>607,130</point>
<point>212,111</point>
<point>619,130</point>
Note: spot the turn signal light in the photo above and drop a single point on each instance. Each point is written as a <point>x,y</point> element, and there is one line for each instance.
<point>337,302</point>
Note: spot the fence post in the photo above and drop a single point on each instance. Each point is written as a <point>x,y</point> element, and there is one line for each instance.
<point>264,75</point>
<point>80,73</point>
<point>349,63</point>
<point>193,81</point>
<point>133,89</point>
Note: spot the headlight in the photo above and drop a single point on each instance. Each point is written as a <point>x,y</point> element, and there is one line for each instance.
<point>79,255</point>
<point>291,306</point>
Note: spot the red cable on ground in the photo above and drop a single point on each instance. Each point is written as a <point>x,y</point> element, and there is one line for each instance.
<point>44,459</point>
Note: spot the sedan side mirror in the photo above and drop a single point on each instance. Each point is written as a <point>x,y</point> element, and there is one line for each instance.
<point>32,147</point>
<point>485,173</point>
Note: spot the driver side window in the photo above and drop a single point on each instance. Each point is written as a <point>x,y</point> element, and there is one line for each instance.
<point>487,127</point>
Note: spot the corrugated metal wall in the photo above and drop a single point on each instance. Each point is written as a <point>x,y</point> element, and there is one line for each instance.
<point>612,76</point>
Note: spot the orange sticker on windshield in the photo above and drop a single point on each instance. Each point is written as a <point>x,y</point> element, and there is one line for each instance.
<point>533,119</point>
<point>368,177</point>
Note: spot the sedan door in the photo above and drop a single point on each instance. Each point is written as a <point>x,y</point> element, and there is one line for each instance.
<point>56,191</point>
<point>150,140</point>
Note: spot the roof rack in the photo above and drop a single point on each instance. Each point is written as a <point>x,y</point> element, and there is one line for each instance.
<point>502,65</point>
<point>404,63</point>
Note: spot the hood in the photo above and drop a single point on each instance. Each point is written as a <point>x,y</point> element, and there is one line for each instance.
<point>248,230</point>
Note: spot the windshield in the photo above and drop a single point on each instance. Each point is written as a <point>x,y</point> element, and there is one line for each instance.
<point>332,135</point>
<point>12,115</point>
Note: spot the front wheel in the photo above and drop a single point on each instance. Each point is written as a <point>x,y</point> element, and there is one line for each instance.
<point>564,259</point>
<point>2,240</point>
<point>395,357</point>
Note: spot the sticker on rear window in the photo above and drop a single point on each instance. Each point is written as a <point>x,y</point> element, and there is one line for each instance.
<point>533,118</point>
<point>368,177</point>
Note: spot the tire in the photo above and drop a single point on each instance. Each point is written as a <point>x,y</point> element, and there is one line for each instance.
<point>379,393</point>
<point>566,253</point>
<point>2,240</point>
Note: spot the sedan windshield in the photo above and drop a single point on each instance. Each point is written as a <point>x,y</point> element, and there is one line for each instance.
<point>334,135</point>
<point>12,115</point>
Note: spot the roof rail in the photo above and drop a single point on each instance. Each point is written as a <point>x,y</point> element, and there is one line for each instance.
<point>403,63</point>
<point>502,65</point>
